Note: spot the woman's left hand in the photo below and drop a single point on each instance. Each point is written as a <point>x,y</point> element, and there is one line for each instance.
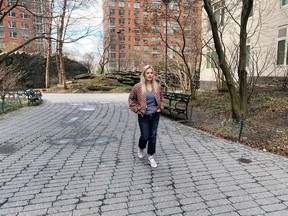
<point>158,110</point>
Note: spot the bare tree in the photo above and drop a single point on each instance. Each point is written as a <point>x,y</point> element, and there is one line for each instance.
<point>103,57</point>
<point>70,28</point>
<point>49,43</point>
<point>88,61</point>
<point>184,27</point>
<point>239,99</point>
<point>60,41</point>
<point>64,22</point>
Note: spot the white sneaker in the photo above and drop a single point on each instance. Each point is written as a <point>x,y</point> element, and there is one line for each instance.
<point>152,161</point>
<point>140,153</point>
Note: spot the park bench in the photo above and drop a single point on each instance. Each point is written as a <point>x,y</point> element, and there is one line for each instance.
<point>176,102</point>
<point>33,96</point>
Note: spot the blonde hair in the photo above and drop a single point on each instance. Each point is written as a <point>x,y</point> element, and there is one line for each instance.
<point>143,80</point>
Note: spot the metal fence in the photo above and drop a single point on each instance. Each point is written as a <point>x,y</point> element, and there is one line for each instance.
<point>11,100</point>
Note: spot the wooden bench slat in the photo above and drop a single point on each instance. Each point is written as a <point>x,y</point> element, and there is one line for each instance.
<point>177,102</point>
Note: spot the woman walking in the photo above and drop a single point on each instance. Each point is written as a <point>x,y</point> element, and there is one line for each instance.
<point>146,100</point>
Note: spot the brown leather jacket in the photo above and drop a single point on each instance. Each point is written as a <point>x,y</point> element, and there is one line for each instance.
<point>137,100</point>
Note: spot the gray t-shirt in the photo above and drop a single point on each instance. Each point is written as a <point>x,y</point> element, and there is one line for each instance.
<point>151,103</point>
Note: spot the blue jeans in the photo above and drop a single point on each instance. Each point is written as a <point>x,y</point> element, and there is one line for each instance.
<point>148,128</point>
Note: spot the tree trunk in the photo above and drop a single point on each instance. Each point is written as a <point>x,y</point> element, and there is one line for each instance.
<point>47,70</point>
<point>242,73</point>
<point>62,68</point>
<point>60,37</point>
<point>49,48</point>
<point>238,102</point>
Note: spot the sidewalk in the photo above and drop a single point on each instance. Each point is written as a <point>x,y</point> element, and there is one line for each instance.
<point>76,155</point>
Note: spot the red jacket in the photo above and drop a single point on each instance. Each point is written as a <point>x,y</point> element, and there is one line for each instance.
<point>137,100</point>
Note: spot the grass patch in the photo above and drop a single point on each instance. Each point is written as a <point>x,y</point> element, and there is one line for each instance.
<point>9,105</point>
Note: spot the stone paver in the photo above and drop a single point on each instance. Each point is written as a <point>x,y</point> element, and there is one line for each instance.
<point>75,154</point>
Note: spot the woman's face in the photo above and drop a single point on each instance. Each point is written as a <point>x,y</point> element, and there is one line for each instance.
<point>149,74</point>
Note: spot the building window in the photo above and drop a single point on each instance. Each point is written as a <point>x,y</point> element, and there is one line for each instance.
<point>25,25</point>
<point>112,38</point>
<point>157,24</point>
<point>112,47</point>
<point>156,5</point>
<point>136,5</point>
<point>281,52</point>
<point>24,15</point>
<point>137,21</point>
<point>155,30</point>
<point>156,49</point>
<point>112,29</point>
<point>37,7</point>
<point>11,2</point>
<point>122,55</point>
<point>136,47</point>
<point>171,5</point>
<point>121,4</point>
<point>155,39</point>
<point>146,22</point>
<point>146,5</point>
<point>2,45</point>
<point>38,20</point>
<point>145,40</point>
<point>121,21</point>
<point>284,2</point>
<point>137,31</point>
<point>1,34</point>
<point>282,47</point>
<point>212,59</point>
<point>137,13</point>
<point>121,12</point>
<point>1,23</point>
<point>39,28</point>
<point>24,3</point>
<point>248,51</point>
<point>12,13</point>
<point>12,24</point>
<point>218,9</point>
<point>170,54</point>
<point>146,48</point>
<point>112,22</point>
<point>111,3</point>
<point>155,55</point>
<point>122,38</point>
<point>113,55</point>
<point>122,46</point>
<point>13,34</point>
<point>122,30</point>
<point>137,39</point>
<point>145,14</point>
<point>25,35</point>
<point>111,12</point>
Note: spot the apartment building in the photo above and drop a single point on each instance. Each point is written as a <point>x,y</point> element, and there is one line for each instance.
<point>20,25</point>
<point>267,40</point>
<point>135,31</point>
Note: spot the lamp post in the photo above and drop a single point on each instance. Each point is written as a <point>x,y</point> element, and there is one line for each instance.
<point>118,33</point>
<point>166,2</point>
